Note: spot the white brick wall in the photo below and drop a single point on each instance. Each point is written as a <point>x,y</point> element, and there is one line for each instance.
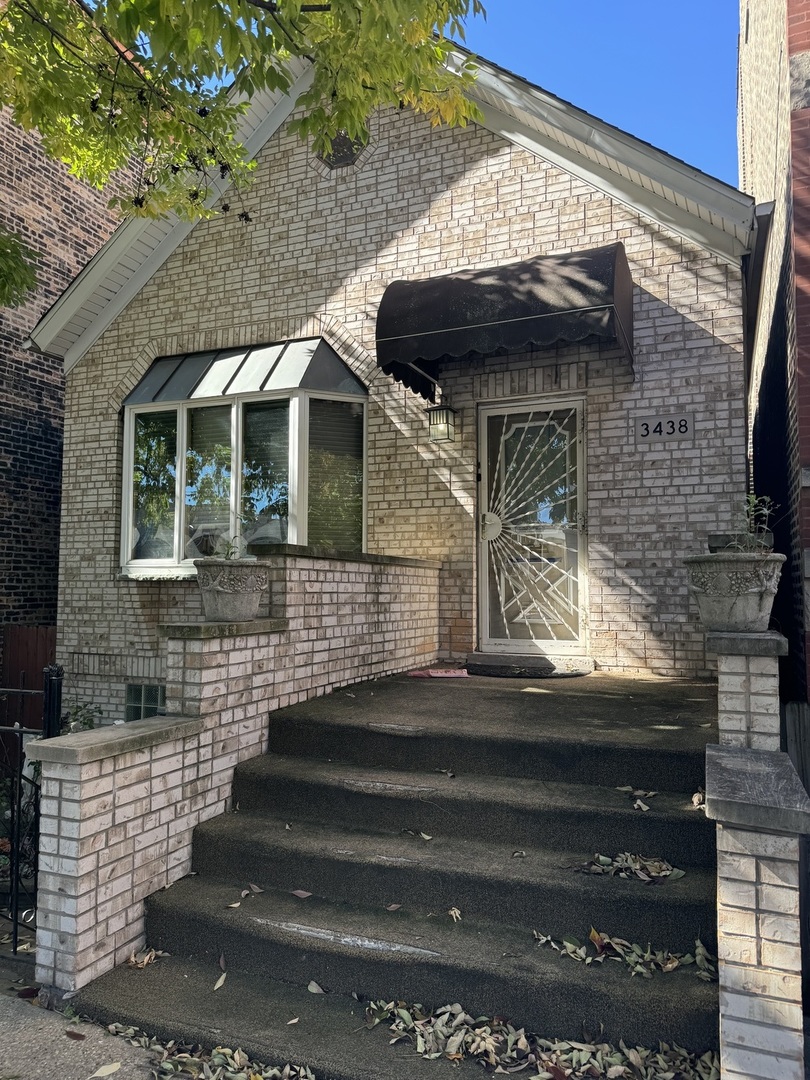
<point>315,260</point>
<point>748,701</point>
<point>759,953</point>
<point>117,824</point>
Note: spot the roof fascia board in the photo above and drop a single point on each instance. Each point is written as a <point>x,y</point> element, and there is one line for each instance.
<point>715,195</point>
<point>721,243</point>
<point>122,239</point>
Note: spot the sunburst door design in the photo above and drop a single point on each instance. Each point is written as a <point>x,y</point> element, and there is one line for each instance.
<point>531,528</point>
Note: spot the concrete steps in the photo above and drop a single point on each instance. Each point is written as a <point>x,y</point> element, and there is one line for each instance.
<point>538,888</point>
<point>485,768</point>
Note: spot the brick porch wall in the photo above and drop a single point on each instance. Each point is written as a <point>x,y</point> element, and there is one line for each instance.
<point>119,804</point>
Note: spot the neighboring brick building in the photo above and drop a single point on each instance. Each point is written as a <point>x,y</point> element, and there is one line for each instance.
<point>649,419</point>
<point>65,222</point>
<point>774,149</point>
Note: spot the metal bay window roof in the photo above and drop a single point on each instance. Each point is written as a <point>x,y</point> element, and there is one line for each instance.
<point>309,364</point>
<point>581,296</point>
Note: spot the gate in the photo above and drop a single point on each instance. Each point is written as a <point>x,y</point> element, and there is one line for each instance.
<point>19,793</point>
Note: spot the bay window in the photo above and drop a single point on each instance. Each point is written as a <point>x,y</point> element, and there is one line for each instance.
<point>221,449</point>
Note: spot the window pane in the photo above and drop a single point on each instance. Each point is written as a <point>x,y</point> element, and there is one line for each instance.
<point>336,474</point>
<point>208,482</point>
<point>265,469</point>
<point>153,486</point>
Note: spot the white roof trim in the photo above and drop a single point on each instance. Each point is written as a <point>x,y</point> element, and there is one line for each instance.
<point>649,180</point>
<point>691,203</point>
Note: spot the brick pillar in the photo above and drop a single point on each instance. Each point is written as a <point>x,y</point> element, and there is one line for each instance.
<point>761,810</point>
<point>748,688</point>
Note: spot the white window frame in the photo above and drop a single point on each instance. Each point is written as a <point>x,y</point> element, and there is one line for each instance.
<point>298,469</point>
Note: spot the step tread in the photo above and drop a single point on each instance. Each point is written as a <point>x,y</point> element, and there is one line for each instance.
<point>428,787</point>
<point>619,712</point>
<point>349,948</point>
<point>265,834</point>
<point>334,927</point>
<point>254,1016</point>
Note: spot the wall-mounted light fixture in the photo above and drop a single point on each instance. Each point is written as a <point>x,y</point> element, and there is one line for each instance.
<point>441,423</point>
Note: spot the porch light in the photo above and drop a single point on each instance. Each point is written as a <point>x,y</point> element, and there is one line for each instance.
<point>441,423</point>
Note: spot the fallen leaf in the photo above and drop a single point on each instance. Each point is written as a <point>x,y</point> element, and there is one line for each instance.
<point>294,1020</point>
<point>106,1070</point>
<point>254,888</point>
<point>425,836</point>
<point>302,894</point>
<point>393,907</point>
<point>237,904</point>
<point>628,789</point>
<point>315,989</point>
<point>244,893</point>
<point>288,827</point>
<point>639,805</point>
<point>77,1035</point>
<point>222,961</point>
<point>518,854</point>
<point>220,980</point>
<point>454,914</point>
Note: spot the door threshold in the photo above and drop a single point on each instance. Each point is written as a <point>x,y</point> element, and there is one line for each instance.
<point>528,666</point>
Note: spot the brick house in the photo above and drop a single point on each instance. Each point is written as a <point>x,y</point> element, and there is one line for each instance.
<point>271,378</point>
<point>65,222</point>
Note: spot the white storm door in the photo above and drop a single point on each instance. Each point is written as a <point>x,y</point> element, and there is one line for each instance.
<point>532,539</point>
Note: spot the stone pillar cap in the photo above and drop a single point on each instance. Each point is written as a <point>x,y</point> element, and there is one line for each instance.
<point>755,789</point>
<point>770,643</point>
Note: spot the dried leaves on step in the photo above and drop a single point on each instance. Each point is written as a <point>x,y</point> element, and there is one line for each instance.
<point>626,865</point>
<point>302,894</point>
<point>641,961</point>
<point>454,914</point>
<point>638,795</point>
<point>454,1034</point>
<point>178,1059</point>
<point>145,956</point>
<point>314,988</point>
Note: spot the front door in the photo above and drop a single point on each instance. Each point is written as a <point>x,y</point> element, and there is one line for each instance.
<point>532,539</point>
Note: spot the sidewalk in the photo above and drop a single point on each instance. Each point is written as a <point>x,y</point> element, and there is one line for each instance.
<point>35,1044</point>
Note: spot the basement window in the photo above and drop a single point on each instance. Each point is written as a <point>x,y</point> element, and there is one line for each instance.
<point>262,444</point>
<point>143,701</point>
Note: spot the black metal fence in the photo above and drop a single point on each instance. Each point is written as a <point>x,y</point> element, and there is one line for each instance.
<point>20,792</point>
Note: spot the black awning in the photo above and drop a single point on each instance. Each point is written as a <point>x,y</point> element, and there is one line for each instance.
<point>583,296</point>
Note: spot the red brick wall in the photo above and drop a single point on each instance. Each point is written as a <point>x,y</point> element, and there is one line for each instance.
<point>798,18</point>
<point>66,222</point>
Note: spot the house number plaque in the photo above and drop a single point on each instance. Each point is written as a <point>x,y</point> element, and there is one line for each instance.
<point>664,428</point>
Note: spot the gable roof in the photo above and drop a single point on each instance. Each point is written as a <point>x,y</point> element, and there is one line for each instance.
<point>680,197</point>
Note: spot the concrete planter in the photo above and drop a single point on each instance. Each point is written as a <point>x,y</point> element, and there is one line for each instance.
<point>231,589</point>
<point>735,589</point>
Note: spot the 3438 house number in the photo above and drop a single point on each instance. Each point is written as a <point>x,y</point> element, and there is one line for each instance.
<point>659,428</point>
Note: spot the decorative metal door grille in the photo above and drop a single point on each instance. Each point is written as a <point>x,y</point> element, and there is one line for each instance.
<point>530,527</point>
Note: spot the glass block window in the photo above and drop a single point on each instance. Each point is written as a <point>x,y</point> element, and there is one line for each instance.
<point>144,700</point>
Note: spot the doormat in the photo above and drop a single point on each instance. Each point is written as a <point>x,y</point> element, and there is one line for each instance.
<point>440,673</point>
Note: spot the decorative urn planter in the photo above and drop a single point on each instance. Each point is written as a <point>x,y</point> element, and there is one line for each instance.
<point>231,589</point>
<point>735,589</point>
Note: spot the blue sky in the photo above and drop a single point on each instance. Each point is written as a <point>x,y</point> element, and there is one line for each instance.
<point>666,72</point>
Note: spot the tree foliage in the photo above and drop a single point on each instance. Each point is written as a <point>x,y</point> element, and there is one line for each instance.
<point>163,83</point>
